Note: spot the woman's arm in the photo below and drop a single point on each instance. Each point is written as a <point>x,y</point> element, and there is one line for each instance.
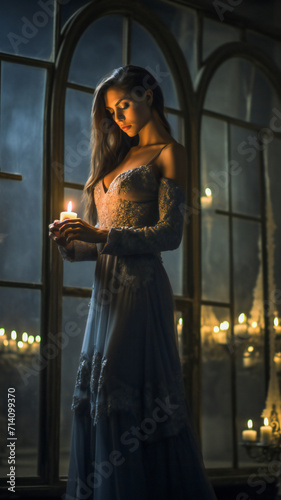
<point>167,233</point>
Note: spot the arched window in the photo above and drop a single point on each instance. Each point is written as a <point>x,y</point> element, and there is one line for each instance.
<point>110,41</point>
<point>240,269</point>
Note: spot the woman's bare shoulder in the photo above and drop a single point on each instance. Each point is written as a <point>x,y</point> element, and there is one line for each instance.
<point>173,163</point>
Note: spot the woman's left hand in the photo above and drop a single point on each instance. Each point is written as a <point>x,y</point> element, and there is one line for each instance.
<point>78,229</point>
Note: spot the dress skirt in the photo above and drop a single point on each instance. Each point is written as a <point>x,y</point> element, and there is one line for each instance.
<point>132,434</point>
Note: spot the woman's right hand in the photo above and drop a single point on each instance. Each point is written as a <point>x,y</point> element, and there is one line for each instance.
<point>54,234</point>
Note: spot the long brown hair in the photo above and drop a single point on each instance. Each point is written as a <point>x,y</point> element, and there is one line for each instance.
<point>109,143</point>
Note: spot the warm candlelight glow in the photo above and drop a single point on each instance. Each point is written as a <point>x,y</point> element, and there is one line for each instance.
<point>68,214</point>
<point>13,335</point>
<point>241,317</point>
<point>250,348</point>
<point>216,329</point>
<point>250,424</point>
<point>265,421</point>
<point>224,325</point>
<point>30,339</point>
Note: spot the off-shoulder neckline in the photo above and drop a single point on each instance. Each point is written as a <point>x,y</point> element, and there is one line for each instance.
<point>134,168</point>
<point>162,178</point>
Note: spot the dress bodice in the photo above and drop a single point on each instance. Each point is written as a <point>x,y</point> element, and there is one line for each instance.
<point>131,199</point>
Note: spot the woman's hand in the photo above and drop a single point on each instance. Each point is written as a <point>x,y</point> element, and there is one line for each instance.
<point>75,229</point>
<point>57,237</point>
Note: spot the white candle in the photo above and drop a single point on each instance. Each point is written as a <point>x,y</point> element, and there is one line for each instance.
<point>69,214</point>
<point>249,434</point>
<point>265,432</point>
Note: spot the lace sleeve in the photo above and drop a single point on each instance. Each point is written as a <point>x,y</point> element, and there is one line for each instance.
<point>166,234</point>
<point>79,251</point>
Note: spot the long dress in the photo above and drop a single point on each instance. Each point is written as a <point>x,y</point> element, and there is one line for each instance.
<point>132,435</point>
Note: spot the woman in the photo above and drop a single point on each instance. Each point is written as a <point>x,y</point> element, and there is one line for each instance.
<point>132,436</point>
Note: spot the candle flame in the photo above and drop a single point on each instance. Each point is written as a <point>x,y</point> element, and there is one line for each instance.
<point>250,424</point>
<point>69,206</point>
<point>266,421</point>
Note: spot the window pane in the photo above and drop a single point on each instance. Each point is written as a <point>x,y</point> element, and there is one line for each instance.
<point>98,51</point>
<point>215,257</point>
<point>248,280</point>
<point>20,369</point>
<point>273,183</point>
<point>77,274</point>
<point>176,123</point>
<point>238,89</point>
<point>214,172</point>
<point>216,387</point>
<point>75,311</point>
<point>216,34</point>
<point>250,374</point>
<point>182,22</point>
<point>21,143</point>
<point>268,45</point>
<point>26,28</point>
<point>77,153</point>
<point>173,263</point>
<point>249,325</point>
<point>145,53</point>
<point>246,189</point>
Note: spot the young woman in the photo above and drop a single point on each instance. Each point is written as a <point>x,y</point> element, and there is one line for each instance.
<point>132,434</point>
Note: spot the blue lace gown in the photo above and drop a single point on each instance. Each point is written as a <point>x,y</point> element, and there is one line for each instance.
<point>132,436</point>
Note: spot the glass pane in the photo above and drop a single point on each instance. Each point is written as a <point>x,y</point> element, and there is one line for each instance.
<point>216,34</point>
<point>238,89</point>
<point>250,374</point>
<point>248,271</point>
<point>273,183</point>
<point>182,22</point>
<point>77,274</point>
<point>215,257</point>
<point>245,184</point>
<point>214,172</point>
<point>177,125</point>
<point>75,311</point>
<point>21,148</point>
<point>216,387</point>
<point>20,369</point>
<point>173,263</point>
<point>26,28</point>
<point>77,153</point>
<point>268,45</point>
<point>145,53</point>
<point>98,51</point>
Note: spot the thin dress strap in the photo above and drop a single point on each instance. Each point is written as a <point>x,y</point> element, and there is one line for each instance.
<point>155,156</point>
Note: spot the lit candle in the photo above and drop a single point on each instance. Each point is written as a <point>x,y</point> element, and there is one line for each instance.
<point>3,337</point>
<point>265,432</point>
<point>69,214</point>
<point>277,326</point>
<point>206,201</point>
<point>249,434</point>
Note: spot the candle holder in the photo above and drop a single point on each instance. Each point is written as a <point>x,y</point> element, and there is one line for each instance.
<point>262,452</point>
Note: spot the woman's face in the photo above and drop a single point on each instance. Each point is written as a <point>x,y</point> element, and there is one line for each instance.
<point>130,112</point>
